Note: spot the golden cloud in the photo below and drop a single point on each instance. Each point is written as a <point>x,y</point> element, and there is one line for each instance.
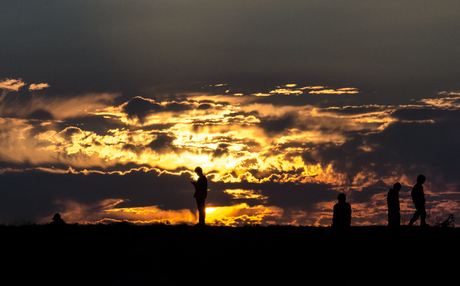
<point>245,194</point>
<point>286,91</point>
<point>11,84</point>
<point>38,86</point>
<point>449,103</point>
<point>187,146</point>
<point>344,90</point>
<point>450,93</point>
<point>8,85</point>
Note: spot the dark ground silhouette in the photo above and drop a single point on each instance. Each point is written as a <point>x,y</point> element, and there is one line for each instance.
<point>185,255</point>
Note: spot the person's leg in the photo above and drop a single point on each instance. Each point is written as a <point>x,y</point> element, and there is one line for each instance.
<point>391,219</point>
<point>415,217</point>
<point>394,219</point>
<point>422,215</point>
<point>201,210</point>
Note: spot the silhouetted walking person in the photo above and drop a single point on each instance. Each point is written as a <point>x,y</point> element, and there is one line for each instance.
<point>394,218</point>
<point>201,192</point>
<point>418,197</point>
<point>57,220</point>
<point>342,212</point>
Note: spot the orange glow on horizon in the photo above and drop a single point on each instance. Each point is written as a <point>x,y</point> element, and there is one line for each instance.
<point>242,214</point>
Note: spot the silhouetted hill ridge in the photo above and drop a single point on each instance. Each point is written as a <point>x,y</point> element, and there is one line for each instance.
<point>186,255</point>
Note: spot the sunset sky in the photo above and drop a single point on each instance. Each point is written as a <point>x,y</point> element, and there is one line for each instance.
<point>107,107</point>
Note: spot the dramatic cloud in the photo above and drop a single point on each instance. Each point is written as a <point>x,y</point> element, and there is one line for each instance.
<point>284,105</point>
<point>140,108</point>
<point>268,163</point>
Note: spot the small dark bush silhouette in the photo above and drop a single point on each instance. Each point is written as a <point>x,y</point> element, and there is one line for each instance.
<point>448,222</point>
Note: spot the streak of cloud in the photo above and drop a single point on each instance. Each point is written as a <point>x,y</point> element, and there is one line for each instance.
<point>38,86</point>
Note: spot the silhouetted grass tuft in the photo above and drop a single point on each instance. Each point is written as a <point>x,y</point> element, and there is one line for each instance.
<point>448,222</point>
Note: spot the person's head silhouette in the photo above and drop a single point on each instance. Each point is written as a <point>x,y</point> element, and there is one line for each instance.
<point>397,186</point>
<point>199,171</point>
<point>342,198</point>
<point>57,220</point>
<point>56,217</point>
<point>421,179</point>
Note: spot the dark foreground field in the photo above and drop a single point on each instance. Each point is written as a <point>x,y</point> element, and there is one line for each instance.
<point>185,255</point>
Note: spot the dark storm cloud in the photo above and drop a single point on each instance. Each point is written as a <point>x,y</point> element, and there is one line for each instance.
<point>433,146</point>
<point>346,157</point>
<point>278,125</point>
<point>32,199</point>
<point>39,195</point>
<point>140,108</point>
<point>69,132</point>
<point>222,149</point>
<point>133,148</point>
<point>291,197</point>
<point>119,46</point>
<point>356,110</point>
<point>95,123</point>
<point>162,144</point>
<point>204,106</point>
<point>425,114</point>
<point>408,147</point>
<point>177,107</point>
<point>41,114</point>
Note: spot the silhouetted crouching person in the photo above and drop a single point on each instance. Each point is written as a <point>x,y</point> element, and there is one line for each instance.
<point>342,212</point>
<point>57,220</point>
<point>394,218</point>
<point>201,192</point>
<point>418,197</point>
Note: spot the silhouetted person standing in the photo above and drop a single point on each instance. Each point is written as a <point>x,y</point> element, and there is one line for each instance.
<point>201,192</point>
<point>394,218</point>
<point>57,220</point>
<point>418,197</point>
<point>342,212</point>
